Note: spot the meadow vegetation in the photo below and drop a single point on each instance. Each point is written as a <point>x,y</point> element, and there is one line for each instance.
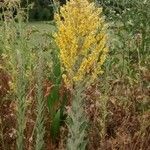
<point>79,82</point>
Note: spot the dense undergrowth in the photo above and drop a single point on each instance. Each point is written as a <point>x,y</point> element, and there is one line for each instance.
<point>53,94</point>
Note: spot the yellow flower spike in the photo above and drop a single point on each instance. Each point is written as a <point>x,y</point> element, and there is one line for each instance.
<point>82,40</point>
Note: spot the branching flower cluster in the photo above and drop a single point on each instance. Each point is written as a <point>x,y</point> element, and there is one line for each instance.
<point>82,40</point>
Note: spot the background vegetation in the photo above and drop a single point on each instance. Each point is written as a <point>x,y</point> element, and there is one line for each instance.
<point>34,102</point>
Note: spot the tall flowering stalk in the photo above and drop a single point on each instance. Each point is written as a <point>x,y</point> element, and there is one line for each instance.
<point>15,52</point>
<point>82,41</point>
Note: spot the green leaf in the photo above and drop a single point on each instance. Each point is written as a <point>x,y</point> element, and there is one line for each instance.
<point>83,145</point>
<point>53,98</point>
<point>56,125</point>
<point>56,68</point>
<point>63,103</point>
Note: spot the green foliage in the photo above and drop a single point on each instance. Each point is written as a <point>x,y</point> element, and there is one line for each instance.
<point>77,122</point>
<point>40,10</point>
<point>55,77</point>
<point>55,126</point>
<point>130,32</point>
<point>22,62</point>
<point>41,14</point>
<point>129,51</point>
<point>40,130</point>
<point>55,98</point>
<point>26,53</point>
<point>14,47</point>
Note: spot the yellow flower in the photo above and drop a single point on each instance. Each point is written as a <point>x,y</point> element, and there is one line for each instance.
<point>82,40</point>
